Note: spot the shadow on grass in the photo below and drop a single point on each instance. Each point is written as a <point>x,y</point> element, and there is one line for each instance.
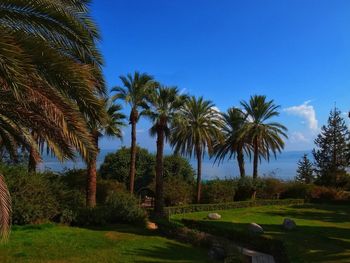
<point>303,244</point>
<point>170,252</point>
<point>125,228</point>
<point>326,213</point>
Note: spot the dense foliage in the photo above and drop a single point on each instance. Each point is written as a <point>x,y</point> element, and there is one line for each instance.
<point>116,166</point>
<point>218,191</point>
<point>305,171</point>
<point>332,151</point>
<point>119,207</point>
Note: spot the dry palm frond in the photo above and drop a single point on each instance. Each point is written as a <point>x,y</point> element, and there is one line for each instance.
<point>5,210</point>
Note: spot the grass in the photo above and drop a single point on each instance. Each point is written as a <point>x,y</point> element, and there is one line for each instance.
<point>61,244</point>
<point>322,233</point>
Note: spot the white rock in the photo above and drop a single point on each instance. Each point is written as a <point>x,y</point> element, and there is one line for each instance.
<point>289,224</point>
<point>255,228</point>
<point>214,216</point>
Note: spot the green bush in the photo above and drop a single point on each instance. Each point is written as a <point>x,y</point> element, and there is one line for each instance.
<point>297,190</point>
<point>177,191</point>
<point>218,191</point>
<point>270,188</point>
<point>116,166</point>
<point>33,195</point>
<point>177,166</point>
<point>120,207</point>
<point>107,187</point>
<point>124,208</point>
<point>245,188</point>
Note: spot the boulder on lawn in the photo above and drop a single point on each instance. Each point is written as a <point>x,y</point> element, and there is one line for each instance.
<point>254,228</point>
<point>289,224</point>
<point>151,226</point>
<point>214,216</point>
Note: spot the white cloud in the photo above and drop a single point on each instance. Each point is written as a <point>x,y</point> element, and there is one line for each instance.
<point>307,112</point>
<point>298,137</point>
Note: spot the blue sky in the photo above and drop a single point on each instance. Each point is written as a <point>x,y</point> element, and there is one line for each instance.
<point>296,52</point>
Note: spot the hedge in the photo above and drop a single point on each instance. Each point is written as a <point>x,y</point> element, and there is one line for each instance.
<point>169,211</point>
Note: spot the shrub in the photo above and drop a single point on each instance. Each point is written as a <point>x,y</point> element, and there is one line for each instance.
<point>116,166</point>
<point>218,191</point>
<point>297,190</point>
<point>124,208</point>
<point>177,166</point>
<point>33,195</point>
<point>107,187</point>
<point>271,188</point>
<point>177,191</point>
<point>120,207</point>
<point>323,193</point>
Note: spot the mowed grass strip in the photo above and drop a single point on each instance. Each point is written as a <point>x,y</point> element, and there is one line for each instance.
<point>322,233</point>
<point>122,243</point>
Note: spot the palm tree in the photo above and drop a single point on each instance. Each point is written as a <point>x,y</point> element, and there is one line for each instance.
<point>136,91</point>
<point>195,131</point>
<point>265,137</point>
<point>50,74</point>
<point>233,144</point>
<point>111,127</point>
<point>165,105</point>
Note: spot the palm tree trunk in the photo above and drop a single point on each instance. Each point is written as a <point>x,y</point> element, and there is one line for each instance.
<point>256,159</point>
<point>32,163</point>
<point>132,156</point>
<point>159,202</point>
<point>92,177</point>
<point>199,173</point>
<point>240,160</point>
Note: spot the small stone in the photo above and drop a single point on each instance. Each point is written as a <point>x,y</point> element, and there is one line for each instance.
<point>214,216</point>
<point>254,228</point>
<point>289,224</point>
<point>151,226</point>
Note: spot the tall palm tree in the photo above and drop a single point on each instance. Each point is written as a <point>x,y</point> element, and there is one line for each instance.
<point>165,105</point>
<point>195,132</point>
<point>136,91</point>
<point>233,144</point>
<point>265,137</point>
<point>111,127</point>
<point>50,74</point>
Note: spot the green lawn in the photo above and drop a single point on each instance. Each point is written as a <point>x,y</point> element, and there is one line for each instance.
<point>59,244</point>
<point>322,234</point>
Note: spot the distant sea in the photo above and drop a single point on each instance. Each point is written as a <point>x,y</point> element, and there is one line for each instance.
<point>283,167</point>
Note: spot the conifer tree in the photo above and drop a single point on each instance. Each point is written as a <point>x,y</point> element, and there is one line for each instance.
<point>305,170</point>
<point>332,151</point>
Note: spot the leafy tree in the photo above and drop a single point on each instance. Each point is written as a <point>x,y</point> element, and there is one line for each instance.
<point>195,131</point>
<point>332,152</point>
<point>178,166</point>
<point>136,91</point>
<point>50,74</point>
<point>233,144</point>
<point>305,170</point>
<point>111,127</point>
<point>265,137</point>
<point>117,166</point>
<point>165,105</point>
